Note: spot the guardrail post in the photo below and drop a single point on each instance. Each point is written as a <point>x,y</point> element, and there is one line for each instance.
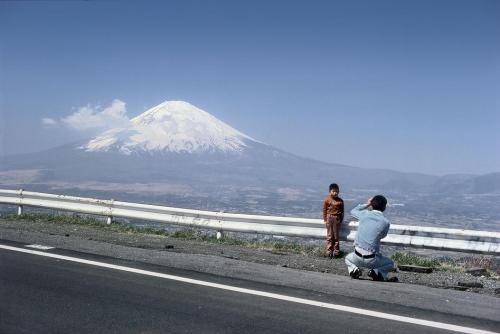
<point>20,207</point>
<point>220,233</point>
<point>109,220</point>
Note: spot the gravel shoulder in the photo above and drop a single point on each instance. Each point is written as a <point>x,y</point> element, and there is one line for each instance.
<point>20,230</point>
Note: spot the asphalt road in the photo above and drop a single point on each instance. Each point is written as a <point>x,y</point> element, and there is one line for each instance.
<point>47,295</point>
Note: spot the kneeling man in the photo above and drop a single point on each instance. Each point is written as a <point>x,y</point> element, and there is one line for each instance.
<point>373,227</point>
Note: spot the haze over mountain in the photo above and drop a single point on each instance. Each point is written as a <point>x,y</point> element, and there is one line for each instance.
<point>176,149</point>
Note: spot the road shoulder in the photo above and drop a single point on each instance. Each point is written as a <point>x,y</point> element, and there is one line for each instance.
<point>186,257</point>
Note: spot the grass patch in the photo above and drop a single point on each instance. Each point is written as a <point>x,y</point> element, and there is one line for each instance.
<point>415,260</point>
<point>445,264</point>
<point>79,220</point>
<point>432,262</point>
<point>188,234</point>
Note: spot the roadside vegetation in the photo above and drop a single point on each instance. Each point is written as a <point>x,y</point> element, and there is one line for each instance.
<point>446,264</point>
<point>276,246</point>
<point>431,262</point>
<point>415,260</point>
<point>188,234</point>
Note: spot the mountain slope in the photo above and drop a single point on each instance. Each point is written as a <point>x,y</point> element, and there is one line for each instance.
<point>172,126</point>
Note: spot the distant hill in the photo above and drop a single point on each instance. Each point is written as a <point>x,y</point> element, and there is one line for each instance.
<point>472,184</point>
<point>486,184</point>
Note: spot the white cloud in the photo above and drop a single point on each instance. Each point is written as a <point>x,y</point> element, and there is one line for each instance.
<point>49,122</point>
<point>93,118</point>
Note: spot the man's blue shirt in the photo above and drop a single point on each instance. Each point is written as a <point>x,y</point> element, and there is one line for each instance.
<point>373,227</point>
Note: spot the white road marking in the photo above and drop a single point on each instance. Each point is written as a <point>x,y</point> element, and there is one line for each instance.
<point>41,247</point>
<point>337,307</point>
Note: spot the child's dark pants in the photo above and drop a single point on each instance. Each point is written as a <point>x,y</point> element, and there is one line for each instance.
<point>332,235</point>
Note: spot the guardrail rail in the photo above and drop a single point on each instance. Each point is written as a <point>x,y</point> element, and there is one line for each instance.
<point>404,235</point>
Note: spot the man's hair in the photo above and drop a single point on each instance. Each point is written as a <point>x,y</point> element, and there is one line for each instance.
<point>379,203</point>
<point>333,186</point>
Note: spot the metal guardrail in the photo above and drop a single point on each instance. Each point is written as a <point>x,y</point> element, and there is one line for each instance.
<point>405,235</point>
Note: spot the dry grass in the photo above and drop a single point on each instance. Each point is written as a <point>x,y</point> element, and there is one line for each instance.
<point>448,264</point>
<point>442,264</point>
<point>187,234</point>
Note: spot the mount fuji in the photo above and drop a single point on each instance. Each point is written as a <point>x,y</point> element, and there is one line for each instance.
<point>178,154</point>
<point>173,126</point>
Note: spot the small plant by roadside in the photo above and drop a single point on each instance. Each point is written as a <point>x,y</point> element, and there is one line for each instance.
<point>446,264</point>
<point>412,259</point>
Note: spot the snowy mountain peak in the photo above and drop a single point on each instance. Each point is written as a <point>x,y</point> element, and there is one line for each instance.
<point>172,126</point>
<point>175,110</point>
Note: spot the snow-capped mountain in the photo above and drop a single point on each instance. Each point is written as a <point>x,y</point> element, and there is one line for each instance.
<point>172,126</point>
<point>178,142</point>
<point>176,154</point>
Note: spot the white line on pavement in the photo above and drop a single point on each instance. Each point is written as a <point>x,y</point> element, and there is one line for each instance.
<point>41,247</point>
<point>337,307</point>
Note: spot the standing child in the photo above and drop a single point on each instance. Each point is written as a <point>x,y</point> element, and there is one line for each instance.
<point>333,215</point>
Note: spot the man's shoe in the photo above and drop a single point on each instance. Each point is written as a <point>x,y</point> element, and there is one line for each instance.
<point>355,273</point>
<point>376,276</point>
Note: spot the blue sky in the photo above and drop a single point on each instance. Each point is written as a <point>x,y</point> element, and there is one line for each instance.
<point>405,85</point>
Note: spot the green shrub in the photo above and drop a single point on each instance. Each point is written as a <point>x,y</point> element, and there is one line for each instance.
<point>412,259</point>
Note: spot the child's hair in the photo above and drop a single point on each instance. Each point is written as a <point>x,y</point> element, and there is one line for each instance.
<point>333,186</point>
<point>379,203</point>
